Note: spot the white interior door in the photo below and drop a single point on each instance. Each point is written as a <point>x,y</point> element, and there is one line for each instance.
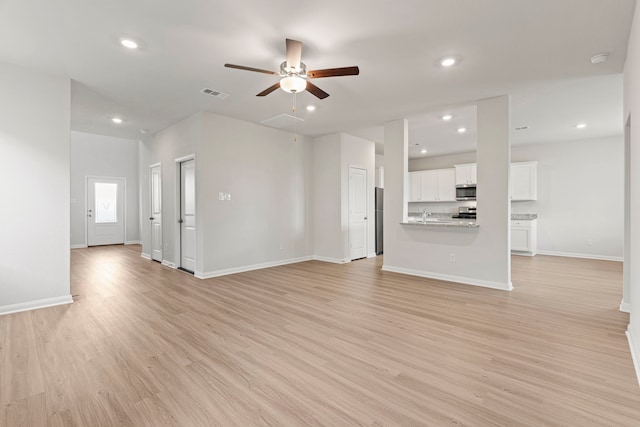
<point>357,213</point>
<point>188,216</point>
<point>156,212</point>
<point>105,211</point>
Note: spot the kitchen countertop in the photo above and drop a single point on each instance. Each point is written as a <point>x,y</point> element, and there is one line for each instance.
<point>450,222</point>
<point>523,217</point>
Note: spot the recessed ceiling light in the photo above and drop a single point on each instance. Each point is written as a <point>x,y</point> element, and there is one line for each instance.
<point>462,130</point>
<point>423,151</point>
<point>116,120</point>
<point>128,43</point>
<point>581,125</point>
<point>447,62</point>
<point>599,58</point>
<point>447,117</point>
<point>311,108</point>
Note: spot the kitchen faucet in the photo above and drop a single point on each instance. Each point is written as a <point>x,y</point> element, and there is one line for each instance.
<point>425,214</point>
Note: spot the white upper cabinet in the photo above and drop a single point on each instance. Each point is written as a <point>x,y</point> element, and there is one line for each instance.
<point>432,186</point>
<point>524,181</point>
<point>467,174</point>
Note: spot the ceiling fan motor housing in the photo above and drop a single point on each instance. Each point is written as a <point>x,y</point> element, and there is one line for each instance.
<point>286,71</point>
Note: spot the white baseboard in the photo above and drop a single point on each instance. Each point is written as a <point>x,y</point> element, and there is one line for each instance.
<point>372,255</point>
<point>625,307</point>
<point>585,256</point>
<point>133,242</point>
<point>449,278</point>
<point>331,260</point>
<point>634,346</point>
<point>145,255</point>
<point>78,246</point>
<point>226,271</point>
<point>34,305</point>
<point>168,263</point>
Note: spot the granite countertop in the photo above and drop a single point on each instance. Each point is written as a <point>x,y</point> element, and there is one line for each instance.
<point>453,223</point>
<point>523,217</point>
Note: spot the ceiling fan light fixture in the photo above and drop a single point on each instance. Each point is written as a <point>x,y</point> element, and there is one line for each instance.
<point>293,84</point>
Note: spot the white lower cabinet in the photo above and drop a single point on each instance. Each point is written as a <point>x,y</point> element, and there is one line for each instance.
<point>524,237</point>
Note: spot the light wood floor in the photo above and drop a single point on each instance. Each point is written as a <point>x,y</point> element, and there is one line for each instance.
<point>320,344</point>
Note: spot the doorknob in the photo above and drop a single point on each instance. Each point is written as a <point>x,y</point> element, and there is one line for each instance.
<point>152,218</point>
<point>180,221</point>
<point>365,217</point>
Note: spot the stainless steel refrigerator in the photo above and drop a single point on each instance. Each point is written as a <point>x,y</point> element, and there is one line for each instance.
<point>379,219</point>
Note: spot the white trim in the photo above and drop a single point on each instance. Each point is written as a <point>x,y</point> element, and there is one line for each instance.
<point>133,242</point>
<point>168,264</point>
<point>634,346</point>
<point>177,188</point>
<point>585,256</point>
<point>145,255</point>
<point>372,255</point>
<point>34,305</point>
<point>151,168</point>
<point>625,307</point>
<point>331,260</point>
<point>78,246</point>
<point>449,278</point>
<point>243,269</point>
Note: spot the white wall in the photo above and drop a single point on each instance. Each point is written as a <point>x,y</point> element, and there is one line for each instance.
<point>266,222</point>
<point>268,173</point>
<point>632,111</point>
<point>34,220</point>
<point>103,156</point>
<point>482,254</point>
<point>328,242</point>
<point>332,157</point>
<point>580,196</point>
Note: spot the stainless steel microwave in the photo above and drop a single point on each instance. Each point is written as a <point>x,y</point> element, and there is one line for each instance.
<point>465,193</point>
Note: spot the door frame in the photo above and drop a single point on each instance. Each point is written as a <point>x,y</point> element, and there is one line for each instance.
<point>177,197</point>
<point>368,214</point>
<point>86,206</point>
<point>155,165</point>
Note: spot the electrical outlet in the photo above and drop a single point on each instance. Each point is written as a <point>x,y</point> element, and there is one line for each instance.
<point>227,196</point>
<point>589,242</point>
<point>452,258</point>
<point>220,196</point>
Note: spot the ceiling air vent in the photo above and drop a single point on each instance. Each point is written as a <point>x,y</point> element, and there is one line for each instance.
<point>282,121</point>
<point>216,93</point>
<point>522,128</point>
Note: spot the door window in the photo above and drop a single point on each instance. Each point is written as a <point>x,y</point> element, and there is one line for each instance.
<point>106,201</point>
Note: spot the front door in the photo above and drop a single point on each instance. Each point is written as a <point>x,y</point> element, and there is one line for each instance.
<point>357,213</point>
<point>156,212</point>
<point>105,211</point>
<point>188,216</point>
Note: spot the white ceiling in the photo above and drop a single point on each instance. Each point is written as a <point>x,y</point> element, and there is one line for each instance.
<point>537,51</point>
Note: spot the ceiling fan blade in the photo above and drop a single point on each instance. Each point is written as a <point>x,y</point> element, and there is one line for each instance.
<point>294,54</point>
<point>270,89</point>
<point>315,90</point>
<point>257,70</point>
<point>333,72</point>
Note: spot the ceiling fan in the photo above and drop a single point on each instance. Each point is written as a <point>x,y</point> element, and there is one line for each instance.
<point>294,77</point>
